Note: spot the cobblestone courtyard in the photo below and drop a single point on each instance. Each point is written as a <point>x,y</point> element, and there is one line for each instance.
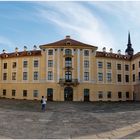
<point>24,119</point>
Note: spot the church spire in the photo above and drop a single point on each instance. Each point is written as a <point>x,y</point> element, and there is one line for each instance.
<point>129,40</point>
<point>129,50</point>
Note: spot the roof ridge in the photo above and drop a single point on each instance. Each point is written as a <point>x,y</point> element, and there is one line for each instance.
<point>67,42</point>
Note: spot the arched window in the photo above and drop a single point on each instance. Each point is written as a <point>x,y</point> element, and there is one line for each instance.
<point>68,62</point>
<point>68,52</point>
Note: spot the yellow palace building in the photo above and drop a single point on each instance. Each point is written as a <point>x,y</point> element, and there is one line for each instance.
<point>69,70</point>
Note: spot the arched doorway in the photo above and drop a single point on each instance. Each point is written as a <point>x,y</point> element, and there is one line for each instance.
<point>68,94</point>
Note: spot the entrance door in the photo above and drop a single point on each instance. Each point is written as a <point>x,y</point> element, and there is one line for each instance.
<point>49,94</point>
<point>68,94</point>
<point>86,94</point>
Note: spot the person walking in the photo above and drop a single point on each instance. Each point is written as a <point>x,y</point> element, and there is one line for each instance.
<point>43,103</point>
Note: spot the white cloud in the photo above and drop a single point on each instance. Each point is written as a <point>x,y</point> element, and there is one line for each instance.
<point>126,15</point>
<point>84,23</point>
<point>123,10</point>
<point>78,20</point>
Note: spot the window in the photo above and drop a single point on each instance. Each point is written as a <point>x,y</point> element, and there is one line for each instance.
<point>35,75</point>
<point>24,93</point>
<point>4,76</point>
<point>119,95</point>
<point>133,77</point>
<point>35,63</point>
<point>100,64</point>
<point>86,76</point>
<point>25,64</point>
<point>35,93</point>
<point>68,52</point>
<point>126,67</point>
<point>127,94</point>
<point>109,94</point>
<point>100,94</point>
<point>14,65</point>
<point>5,66</point>
<point>126,78</point>
<point>50,75</point>
<point>133,67</point>
<point>118,66</point>
<point>119,77</point>
<point>50,52</point>
<point>13,75</point>
<point>86,64</point>
<point>86,53</point>
<point>109,77</point>
<point>139,76</point>
<point>108,65</point>
<point>68,76</point>
<point>68,62</point>
<point>50,63</point>
<point>4,92</point>
<point>100,76</point>
<point>24,75</point>
<point>13,92</point>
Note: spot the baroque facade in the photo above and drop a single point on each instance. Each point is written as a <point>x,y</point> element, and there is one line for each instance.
<point>69,70</point>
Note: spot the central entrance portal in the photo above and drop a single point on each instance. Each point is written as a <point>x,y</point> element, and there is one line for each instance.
<point>68,94</point>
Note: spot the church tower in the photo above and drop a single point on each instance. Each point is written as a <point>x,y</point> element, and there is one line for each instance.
<point>129,50</point>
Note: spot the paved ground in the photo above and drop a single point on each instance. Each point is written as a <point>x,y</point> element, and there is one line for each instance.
<point>23,119</point>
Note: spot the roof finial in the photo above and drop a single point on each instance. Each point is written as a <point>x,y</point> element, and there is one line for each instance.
<point>129,39</point>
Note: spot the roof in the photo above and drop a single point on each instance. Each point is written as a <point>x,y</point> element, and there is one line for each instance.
<point>136,55</point>
<point>67,42</point>
<point>112,55</point>
<point>21,54</point>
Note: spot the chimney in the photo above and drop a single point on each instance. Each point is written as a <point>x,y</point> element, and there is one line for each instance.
<point>104,49</point>
<point>68,37</point>
<point>16,49</point>
<point>111,50</point>
<point>25,48</point>
<point>35,47</point>
<point>119,51</point>
<point>4,51</point>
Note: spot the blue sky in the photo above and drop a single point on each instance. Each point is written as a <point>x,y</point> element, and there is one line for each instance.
<point>103,24</point>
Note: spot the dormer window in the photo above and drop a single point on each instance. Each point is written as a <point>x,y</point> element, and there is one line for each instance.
<point>68,52</point>
<point>68,43</point>
<point>29,53</point>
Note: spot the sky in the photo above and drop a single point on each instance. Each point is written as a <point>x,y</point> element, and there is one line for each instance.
<point>99,23</point>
